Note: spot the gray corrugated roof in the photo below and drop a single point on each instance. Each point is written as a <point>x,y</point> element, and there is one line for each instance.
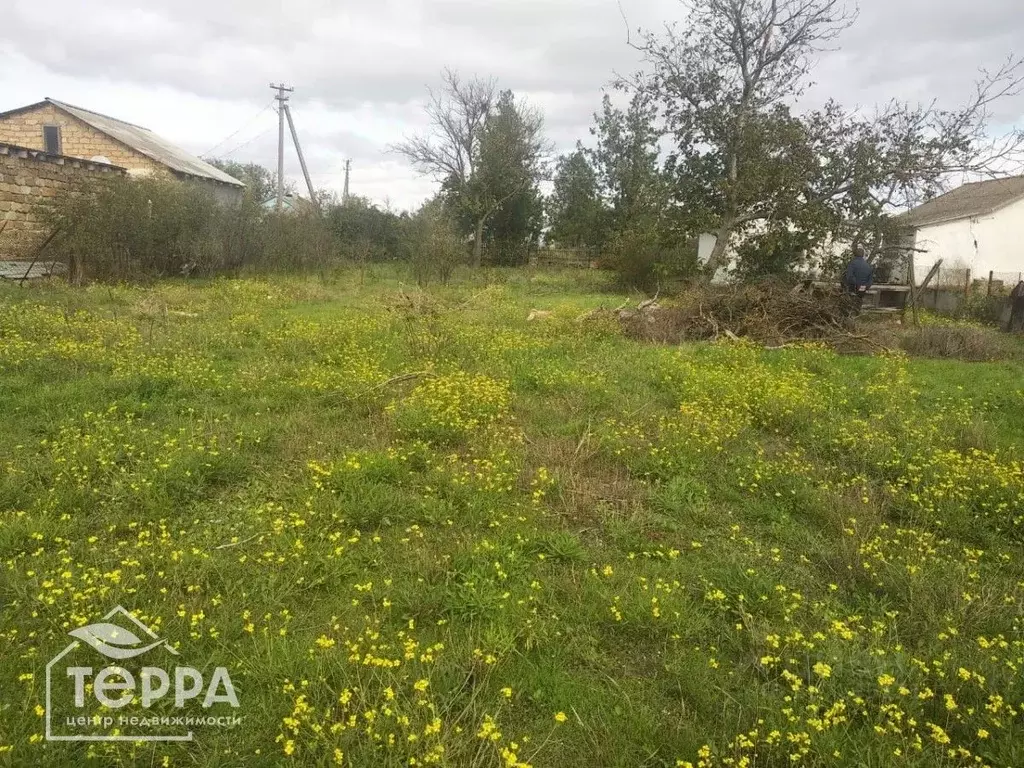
<point>977,199</point>
<point>148,143</point>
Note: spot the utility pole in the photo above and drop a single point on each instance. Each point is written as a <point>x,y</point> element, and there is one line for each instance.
<point>302,160</point>
<point>348,170</point>
<point>282,101</point>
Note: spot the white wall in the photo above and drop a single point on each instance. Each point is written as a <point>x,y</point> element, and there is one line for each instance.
<point>705,245</point>
<point>994,242</point>
<point>830,249</point>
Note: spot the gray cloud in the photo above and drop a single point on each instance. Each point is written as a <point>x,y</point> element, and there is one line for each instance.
<point>361,68</point>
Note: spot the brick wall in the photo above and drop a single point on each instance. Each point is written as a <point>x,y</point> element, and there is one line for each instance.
<point>28,180</point>
<point>78,139</point>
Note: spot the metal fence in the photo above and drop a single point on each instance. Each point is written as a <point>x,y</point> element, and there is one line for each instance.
<point>579,258</point>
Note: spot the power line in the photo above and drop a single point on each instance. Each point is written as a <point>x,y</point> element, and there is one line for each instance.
<point>247,143</point>
<point>244,126</point>
<point>249,122</point>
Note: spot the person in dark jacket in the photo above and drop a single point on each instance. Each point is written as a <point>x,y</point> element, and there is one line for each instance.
<point>859,275</point>
<point>859,272</point>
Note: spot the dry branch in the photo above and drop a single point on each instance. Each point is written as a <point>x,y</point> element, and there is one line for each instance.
<point>769,313</point>
<point>394,380</point>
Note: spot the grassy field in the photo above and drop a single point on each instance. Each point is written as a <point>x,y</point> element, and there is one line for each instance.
<point>419,530</point>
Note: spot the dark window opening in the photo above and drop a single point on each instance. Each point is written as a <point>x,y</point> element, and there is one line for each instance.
<point>51,139</point>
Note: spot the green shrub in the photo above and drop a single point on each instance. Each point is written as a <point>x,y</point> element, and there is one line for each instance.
<point>129,229</point>
<point>433,246</point>
<point>982,308</point>
<point>958,342</point>
<point>366,231</point>
<point>644,257</point>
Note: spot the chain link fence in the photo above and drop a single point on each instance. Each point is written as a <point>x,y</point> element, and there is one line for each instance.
<point>960,292</point>
<point>957,277</point>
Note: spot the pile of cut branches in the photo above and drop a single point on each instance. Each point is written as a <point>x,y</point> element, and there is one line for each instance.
<point>768,312</point>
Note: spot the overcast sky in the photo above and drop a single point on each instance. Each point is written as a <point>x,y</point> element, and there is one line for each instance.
<point>197,71</point>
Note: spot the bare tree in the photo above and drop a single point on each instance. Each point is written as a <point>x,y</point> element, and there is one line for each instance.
<point>484,147</point>
<point>934,146</point>
<point>450,150</point>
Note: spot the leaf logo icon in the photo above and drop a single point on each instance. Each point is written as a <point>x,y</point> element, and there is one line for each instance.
<point>113,641</point>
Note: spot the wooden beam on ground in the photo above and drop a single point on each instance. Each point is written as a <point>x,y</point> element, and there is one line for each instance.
<point>924,286</point>
<point>35,256</point>
<point>912,300</point>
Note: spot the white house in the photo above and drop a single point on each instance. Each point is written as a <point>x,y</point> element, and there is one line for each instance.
<point>977,226</point>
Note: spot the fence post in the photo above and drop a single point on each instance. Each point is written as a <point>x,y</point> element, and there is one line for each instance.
<point>989,291</point>
<point>967,283</point>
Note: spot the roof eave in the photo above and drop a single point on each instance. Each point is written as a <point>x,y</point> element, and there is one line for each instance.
<point>961,217</point>
<point>907,218</point>
<point>946,220</point>
<point>64,158</point>
<point>238,185</point>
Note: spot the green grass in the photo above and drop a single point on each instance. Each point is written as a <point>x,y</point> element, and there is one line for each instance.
<point>418,529</point>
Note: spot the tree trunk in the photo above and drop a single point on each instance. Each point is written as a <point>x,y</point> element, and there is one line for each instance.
<point>478,242</point>
<point>75,269</point>
<point>719,254</point>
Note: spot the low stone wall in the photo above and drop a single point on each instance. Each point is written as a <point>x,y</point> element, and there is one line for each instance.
<point>29,179</point>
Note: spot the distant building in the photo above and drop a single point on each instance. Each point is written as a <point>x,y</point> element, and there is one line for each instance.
<point>977,226</point>
<point>60,129</point>
<point>290,204</point>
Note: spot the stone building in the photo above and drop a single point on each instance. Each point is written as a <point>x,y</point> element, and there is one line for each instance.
<point>49,146</point>
<point>29,178</point>
<point>57,128</point>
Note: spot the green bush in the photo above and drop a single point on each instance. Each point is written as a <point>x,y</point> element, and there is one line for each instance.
<point>982,308</point>
<point>433,246</point>
<point>126,228</point>
<point>960,343</point>
<point>367,232</point>
<point>644,257</point>
<point>131,229</point>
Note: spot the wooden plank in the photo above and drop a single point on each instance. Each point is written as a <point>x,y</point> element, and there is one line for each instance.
<point>877,288</point>
<point>35,256</point>
<point>913,292</point>
<point>924,286</point>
